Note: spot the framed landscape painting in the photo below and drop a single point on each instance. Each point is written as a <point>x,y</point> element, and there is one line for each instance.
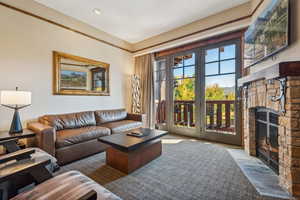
<point>73,80</point>
<point>74,75</point>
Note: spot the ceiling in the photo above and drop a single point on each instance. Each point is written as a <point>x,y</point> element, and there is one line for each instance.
<point>137,20</point>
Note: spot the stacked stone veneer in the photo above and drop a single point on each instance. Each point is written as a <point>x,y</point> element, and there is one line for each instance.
<point>259,95</point>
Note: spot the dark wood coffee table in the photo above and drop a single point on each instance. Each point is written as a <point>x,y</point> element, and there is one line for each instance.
<point>128,153</point>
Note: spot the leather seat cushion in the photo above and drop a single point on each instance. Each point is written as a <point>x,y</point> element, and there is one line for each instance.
<point>123,125</point>
<point>105,116</point>
<point>74,136</point>
<point>70,121</point>
<point>69,185</point>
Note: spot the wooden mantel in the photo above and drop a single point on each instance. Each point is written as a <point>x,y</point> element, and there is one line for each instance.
<point>279,70</point>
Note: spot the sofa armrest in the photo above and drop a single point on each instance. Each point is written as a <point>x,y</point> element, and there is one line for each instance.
<point>137,117</point>
<point>45,135</point>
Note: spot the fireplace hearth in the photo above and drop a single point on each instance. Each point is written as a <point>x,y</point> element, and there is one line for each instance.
<point>267,137</point>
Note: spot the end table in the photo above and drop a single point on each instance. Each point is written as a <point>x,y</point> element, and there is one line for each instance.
<point>10,141</point>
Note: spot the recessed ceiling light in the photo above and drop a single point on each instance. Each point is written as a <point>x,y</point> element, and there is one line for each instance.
<point>97,11</point>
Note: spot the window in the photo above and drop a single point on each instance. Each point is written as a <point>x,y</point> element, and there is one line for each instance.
<point>220,61</point>
<point>184,68</point>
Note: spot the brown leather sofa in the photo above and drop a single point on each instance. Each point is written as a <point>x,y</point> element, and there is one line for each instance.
<point>72,136</point>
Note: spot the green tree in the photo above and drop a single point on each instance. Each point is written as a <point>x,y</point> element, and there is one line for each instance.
<point>215,92</point>
<point>185,89</point>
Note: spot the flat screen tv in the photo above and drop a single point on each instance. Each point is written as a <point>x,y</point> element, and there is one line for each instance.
<point>269,34</point>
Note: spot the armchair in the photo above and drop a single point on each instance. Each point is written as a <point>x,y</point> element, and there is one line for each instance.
<point>14,165</point>
<point>18,169</point>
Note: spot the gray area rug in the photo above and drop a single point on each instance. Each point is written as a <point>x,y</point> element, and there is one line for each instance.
<point>186,171</point>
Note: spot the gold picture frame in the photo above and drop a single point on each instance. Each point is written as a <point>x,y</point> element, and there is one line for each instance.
<point>75,75</point>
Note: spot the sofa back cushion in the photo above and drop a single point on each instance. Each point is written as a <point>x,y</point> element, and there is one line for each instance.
<point>105,116</point>
<point>70,121</point>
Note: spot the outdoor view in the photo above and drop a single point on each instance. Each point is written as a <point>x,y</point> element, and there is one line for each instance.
<point>184,90</point>
<point>220,64</point>
<point>217,90</point>
<point>219,94</point>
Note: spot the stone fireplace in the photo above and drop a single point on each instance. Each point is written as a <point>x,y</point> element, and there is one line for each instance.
<point>276,88</point>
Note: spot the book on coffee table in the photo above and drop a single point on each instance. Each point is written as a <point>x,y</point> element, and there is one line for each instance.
<point>135,134</point>
<point>140,132</point>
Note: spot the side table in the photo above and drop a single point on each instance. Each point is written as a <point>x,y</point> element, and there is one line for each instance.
<point>10,141</point>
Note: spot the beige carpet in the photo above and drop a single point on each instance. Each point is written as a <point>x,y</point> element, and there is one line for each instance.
<point>187,170</point>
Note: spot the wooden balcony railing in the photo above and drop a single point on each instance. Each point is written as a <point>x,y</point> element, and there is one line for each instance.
<point>219,114</point>
<point>184,113</point>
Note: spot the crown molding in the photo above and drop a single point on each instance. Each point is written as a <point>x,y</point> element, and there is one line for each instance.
<point>205,29</point>
<point>119,47</point>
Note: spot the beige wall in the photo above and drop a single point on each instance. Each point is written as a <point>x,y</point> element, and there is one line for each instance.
<point>222,17</point>
<point>26,61</point>
<point>51,14</point>
<point>292,52</point>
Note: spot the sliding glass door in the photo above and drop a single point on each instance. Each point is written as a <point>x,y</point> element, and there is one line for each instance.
<point>200,92</point>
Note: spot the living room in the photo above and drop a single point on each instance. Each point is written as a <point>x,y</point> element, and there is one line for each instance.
<point>149,99</point>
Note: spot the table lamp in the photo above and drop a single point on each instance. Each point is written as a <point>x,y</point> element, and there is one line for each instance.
<point>15,100</point>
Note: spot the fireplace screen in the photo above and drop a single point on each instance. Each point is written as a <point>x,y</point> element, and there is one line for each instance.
<point>267,137</point>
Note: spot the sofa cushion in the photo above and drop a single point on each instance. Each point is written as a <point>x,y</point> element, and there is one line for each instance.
<point>74,136</point>
<point>70,121</point>
<point>123,125</point>
<point>105,116</point>
<point>69,185</point>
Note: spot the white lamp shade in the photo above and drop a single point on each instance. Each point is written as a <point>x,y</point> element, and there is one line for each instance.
<point>15,98</point>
